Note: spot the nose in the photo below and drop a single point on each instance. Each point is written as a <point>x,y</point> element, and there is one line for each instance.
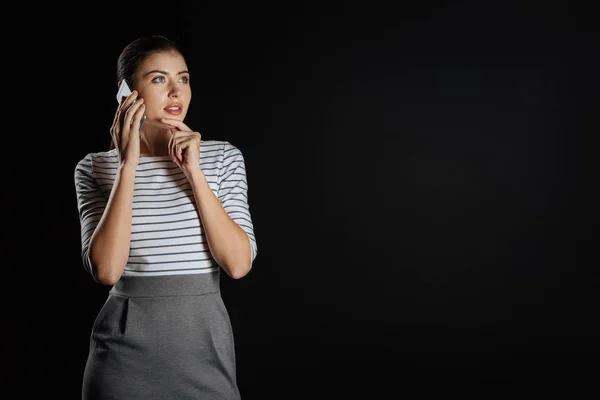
<point>174,90</point>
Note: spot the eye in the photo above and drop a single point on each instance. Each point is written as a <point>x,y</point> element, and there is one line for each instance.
<point>185,79</point>
<point>159,79</point>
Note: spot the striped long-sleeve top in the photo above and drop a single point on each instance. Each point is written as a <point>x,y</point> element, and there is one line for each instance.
<point>167,236</point>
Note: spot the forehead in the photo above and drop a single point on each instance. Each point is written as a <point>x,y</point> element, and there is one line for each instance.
<point>171,62</point>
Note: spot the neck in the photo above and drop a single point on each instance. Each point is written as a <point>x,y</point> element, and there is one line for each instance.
<point>154,141</point>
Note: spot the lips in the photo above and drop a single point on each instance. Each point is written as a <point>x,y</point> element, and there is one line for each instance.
<point>174,108</point>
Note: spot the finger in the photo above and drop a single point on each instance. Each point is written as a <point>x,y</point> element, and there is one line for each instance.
<point>115,133</point>
<point>126,126</point>
<point>118,112</point>
<point>126,104</point>
<point>129,100</point>
<point>194,140</point>
<point>115,129</point>
<point>131,111</point>
<point>173,145</point>
<point>180,153</point>
<point>179,146</point>
<point>182,142</point>
<point>184,134</point>
<point>172,151</point>
<point>170,146</point>
<point>137,118</point>
<point>115,124</point>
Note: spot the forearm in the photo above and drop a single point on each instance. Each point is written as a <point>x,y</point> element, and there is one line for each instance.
<point>227,241</point>
<point>109,245</point>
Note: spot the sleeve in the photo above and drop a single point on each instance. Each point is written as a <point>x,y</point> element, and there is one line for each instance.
<point>233,192</point>
<point>91,204</point>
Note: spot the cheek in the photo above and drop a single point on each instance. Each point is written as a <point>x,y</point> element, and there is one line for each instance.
<point>152,106</point>
<point>188,93</point>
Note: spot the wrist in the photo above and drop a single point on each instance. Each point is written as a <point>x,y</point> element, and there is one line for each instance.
<point>196,174</point>
<point>128,167</point>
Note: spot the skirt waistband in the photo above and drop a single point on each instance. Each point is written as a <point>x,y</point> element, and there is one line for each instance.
<point>167,285</point>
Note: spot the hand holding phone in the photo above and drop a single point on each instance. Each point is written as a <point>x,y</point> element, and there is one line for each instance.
<point>124,91</point>
<point>125,136</point>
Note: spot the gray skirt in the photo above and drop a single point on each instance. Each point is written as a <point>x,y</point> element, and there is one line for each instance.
<point>165,337</point>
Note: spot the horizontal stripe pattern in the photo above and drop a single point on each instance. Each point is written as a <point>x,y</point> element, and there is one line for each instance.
<point>167,236</point>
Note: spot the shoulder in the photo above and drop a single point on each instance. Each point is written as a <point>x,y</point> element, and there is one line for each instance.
<point>224,147</point>
<point>110,155</point>
<point>86,164</point>
<point>221,144</point>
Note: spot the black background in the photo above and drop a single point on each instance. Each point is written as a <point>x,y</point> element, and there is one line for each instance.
<point>421,181</point>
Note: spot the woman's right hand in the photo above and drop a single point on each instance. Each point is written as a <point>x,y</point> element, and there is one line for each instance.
<point>125,130</point>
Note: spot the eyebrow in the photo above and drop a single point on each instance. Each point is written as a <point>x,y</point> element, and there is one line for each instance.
<point>165,72</point>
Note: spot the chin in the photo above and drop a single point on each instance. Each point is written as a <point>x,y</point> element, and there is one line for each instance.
<point>180,117</point>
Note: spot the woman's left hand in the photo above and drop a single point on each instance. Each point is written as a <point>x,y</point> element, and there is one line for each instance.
<point>184,146</point>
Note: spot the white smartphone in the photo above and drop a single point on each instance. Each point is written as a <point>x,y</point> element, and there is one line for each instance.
<point>124,91</point>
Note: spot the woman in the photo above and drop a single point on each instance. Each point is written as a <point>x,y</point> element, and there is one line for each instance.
<point>161,214</point>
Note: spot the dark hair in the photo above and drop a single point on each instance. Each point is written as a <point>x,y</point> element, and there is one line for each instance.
<point>134,54</point>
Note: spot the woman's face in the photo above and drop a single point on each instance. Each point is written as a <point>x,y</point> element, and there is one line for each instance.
<point>163,81</point>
